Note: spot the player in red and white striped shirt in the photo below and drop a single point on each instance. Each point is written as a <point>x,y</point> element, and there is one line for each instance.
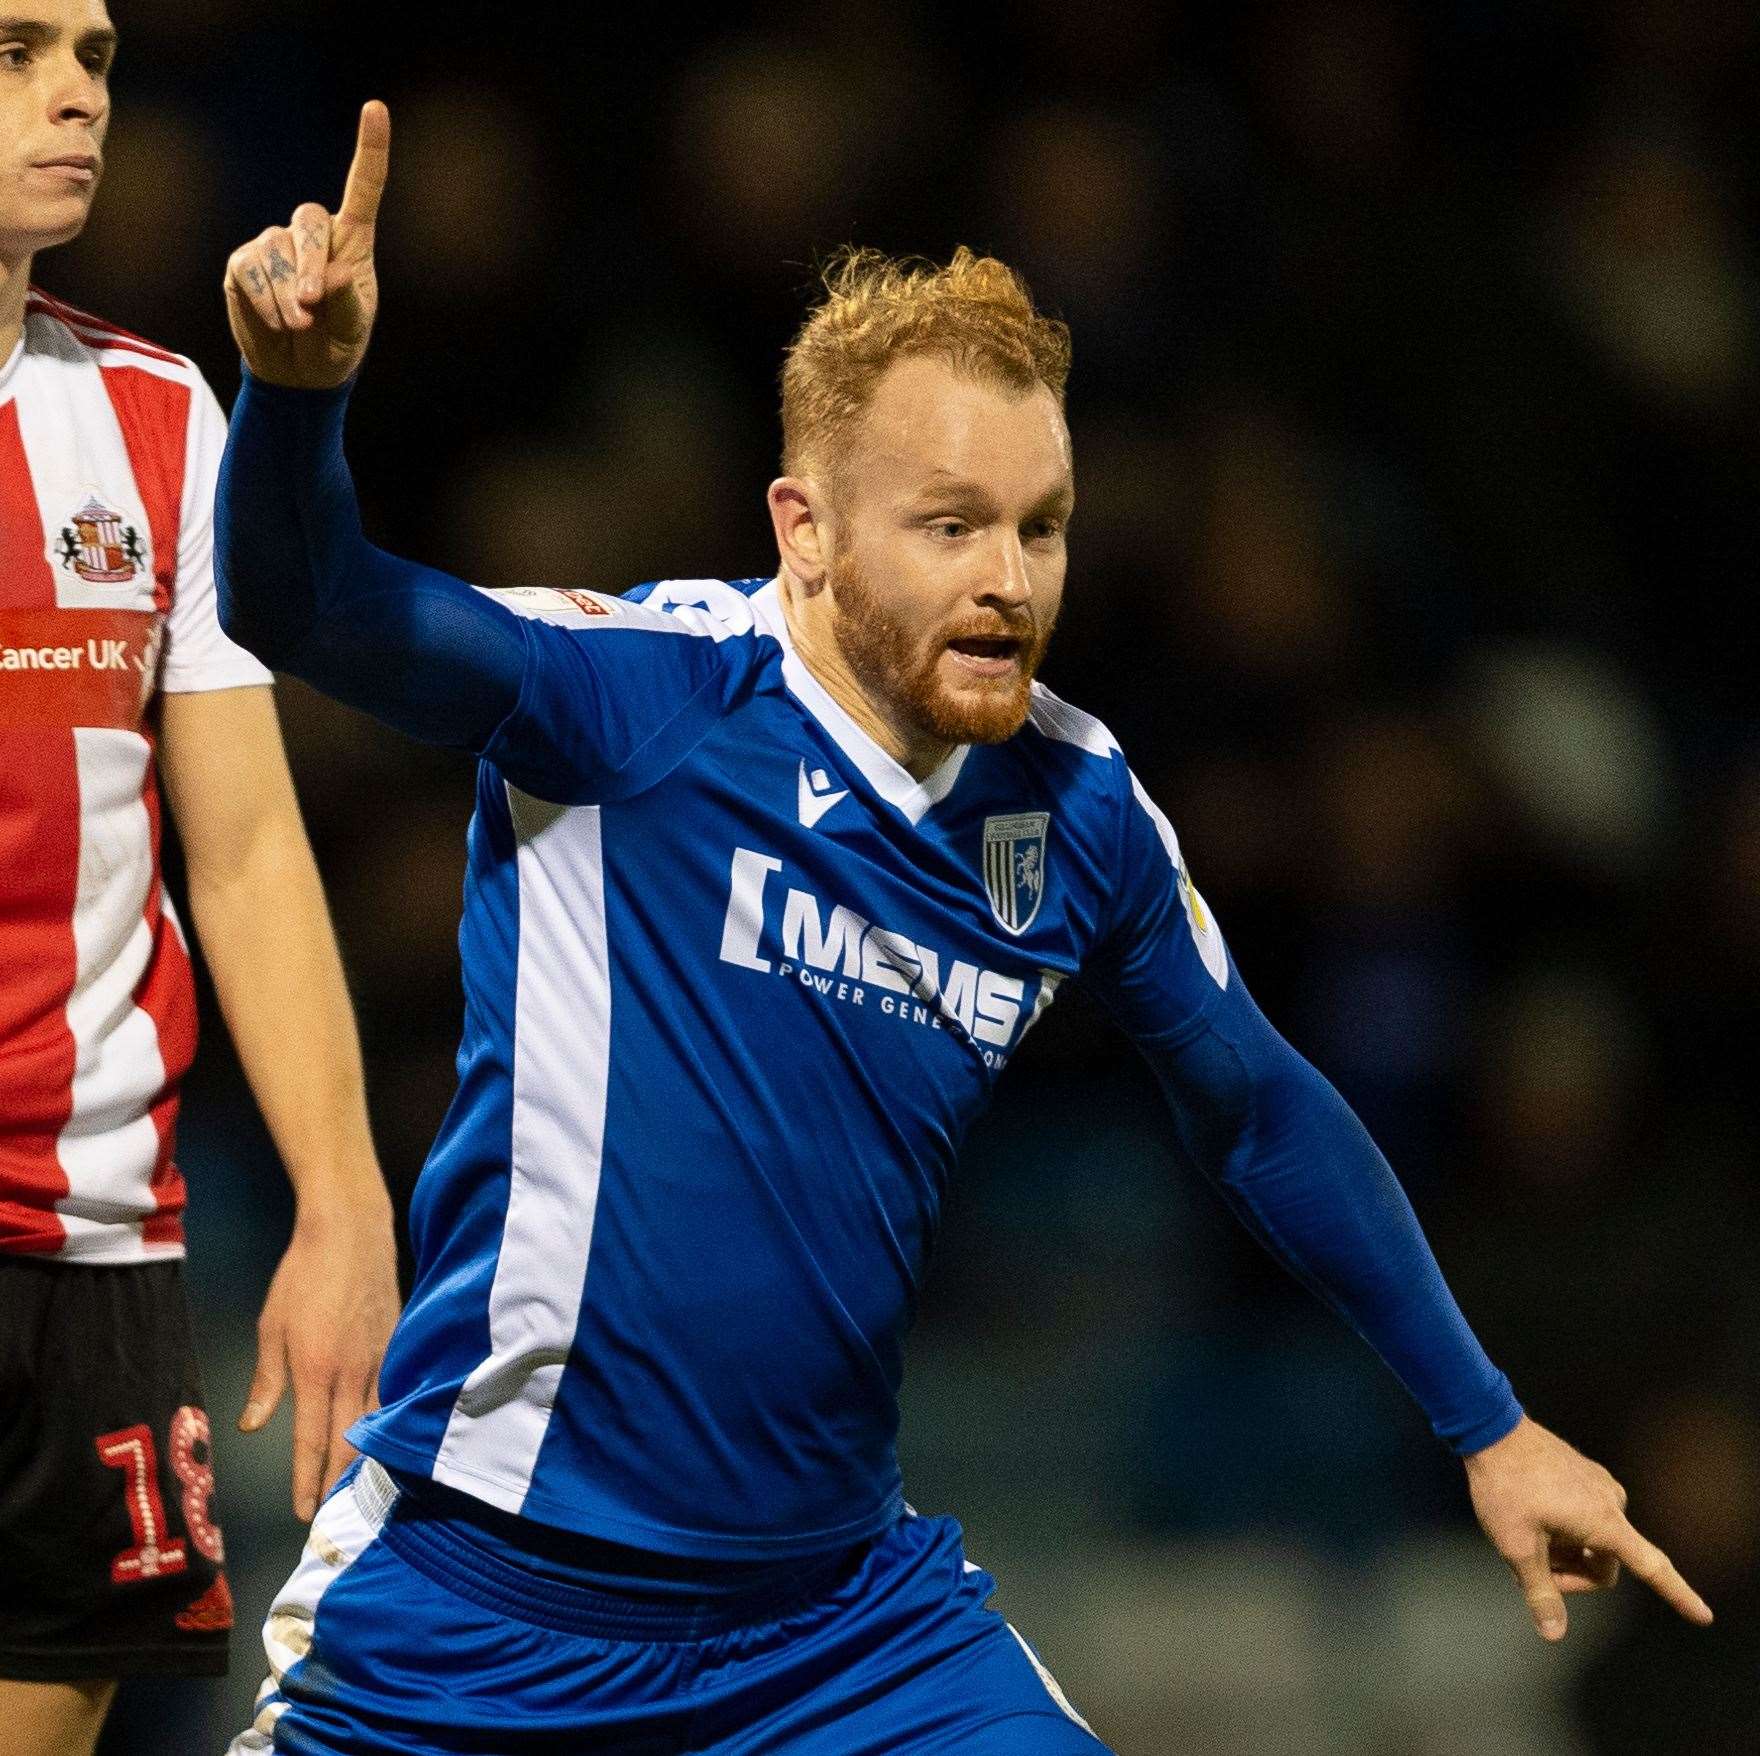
<point>115,678</point>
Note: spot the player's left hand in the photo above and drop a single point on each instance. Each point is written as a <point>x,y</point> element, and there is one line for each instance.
<point>330,1311</point>
<point>1558,1519</point>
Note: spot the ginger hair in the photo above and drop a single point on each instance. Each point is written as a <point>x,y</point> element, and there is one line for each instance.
<point>975,312</point>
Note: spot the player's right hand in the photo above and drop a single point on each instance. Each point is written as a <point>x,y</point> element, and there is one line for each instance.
<point>1559,1521</point>
<point>301,298</point>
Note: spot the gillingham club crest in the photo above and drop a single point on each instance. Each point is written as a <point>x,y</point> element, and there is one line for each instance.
<point>1014,866</point>
<point>99,547</point>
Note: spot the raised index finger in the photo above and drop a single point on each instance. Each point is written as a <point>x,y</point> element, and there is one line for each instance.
<point>372,162</point>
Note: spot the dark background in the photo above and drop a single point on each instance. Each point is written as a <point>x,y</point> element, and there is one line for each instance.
<point>1416,354</point>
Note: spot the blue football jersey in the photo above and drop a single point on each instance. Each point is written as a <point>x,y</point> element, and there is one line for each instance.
<point>736,984</point>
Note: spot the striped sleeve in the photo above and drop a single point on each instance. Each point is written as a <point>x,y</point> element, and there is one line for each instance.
<point>197,655</point>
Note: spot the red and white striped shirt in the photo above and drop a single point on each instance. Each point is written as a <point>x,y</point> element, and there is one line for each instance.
<point>109,450</point>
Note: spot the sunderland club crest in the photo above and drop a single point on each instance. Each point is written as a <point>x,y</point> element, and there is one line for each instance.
<point>99,547</point>
<point>1014,866</point>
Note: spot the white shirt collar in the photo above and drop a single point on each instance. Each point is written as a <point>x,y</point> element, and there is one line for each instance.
<point>887,776</point>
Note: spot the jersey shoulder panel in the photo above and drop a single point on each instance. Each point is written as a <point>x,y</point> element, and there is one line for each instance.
<point>710,608</point>
<point>58,328</point>
<point>616,692</point>
<point>1083,751</point>
<point>721,607</point>
<point>1053,717</point>
<point>565,607</point>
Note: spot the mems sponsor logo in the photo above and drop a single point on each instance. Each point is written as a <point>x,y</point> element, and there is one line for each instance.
<point>782,931</point>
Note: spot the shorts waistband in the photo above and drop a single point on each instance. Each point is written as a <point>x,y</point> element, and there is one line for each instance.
<point>472,1561</point>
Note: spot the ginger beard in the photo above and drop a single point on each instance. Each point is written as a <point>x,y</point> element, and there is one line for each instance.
<point>905,670</point>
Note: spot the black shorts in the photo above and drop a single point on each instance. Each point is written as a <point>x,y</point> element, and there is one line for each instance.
<point>109,1550</point>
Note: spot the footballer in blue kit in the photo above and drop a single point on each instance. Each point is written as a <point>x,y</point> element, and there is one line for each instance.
<point>768,878</point>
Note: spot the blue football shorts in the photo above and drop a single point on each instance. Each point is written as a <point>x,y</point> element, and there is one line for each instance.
<point>407,1632</point>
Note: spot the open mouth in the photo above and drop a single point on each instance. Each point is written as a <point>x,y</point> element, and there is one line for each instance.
<point>989,655</point>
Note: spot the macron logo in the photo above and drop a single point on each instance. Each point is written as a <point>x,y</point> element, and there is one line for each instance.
<point>816,794</point>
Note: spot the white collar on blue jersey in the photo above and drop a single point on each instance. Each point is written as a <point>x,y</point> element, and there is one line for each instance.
<point>889,778</point>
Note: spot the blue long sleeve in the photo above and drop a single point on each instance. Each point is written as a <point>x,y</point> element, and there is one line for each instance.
<point>1280,1144</point>
<point>1301,1172</point>
<point>301,587</point>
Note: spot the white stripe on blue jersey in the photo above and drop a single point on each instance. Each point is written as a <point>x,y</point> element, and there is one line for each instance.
<point>562,1033</point>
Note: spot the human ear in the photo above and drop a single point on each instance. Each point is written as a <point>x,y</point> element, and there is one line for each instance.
<point>798,516</point>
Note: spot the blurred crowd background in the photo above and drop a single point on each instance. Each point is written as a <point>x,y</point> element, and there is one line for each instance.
<point>1414,409</point>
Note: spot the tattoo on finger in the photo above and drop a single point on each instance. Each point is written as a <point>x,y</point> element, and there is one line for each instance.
<point>253,280</point>
<point>279,267</point>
